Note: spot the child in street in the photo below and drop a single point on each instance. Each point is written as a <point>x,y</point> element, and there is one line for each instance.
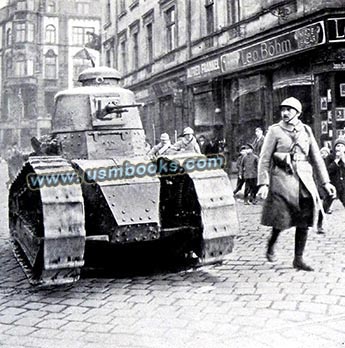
<point>249,172</point>
<point>240,180</point>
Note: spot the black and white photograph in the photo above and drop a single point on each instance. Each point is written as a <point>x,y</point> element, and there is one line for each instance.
<point>172,173</point>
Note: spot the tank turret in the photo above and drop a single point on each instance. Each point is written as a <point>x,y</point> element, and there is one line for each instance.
<point>90,180</point>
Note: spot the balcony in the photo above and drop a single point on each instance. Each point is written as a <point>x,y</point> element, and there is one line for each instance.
<point>21,81</point>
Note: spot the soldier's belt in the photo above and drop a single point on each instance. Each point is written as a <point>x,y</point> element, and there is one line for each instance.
<point>299,157</point>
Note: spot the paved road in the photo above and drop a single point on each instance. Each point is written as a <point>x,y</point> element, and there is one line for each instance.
<point>245,302</point>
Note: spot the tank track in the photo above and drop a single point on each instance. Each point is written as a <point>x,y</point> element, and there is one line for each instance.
<point>47,224</point>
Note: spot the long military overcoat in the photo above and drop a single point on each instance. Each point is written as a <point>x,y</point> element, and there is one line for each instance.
<point>286,175</point>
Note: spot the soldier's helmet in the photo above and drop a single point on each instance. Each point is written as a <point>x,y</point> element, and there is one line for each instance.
<point>165,136</point>
<point>292,102</point>
<point>188,130</point>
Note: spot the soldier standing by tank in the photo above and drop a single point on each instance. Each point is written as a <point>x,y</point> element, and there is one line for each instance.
<point>188,143</point>
<point>288,157</point>
<point>162,148</point>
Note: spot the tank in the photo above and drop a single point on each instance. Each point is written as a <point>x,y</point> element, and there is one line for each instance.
<point>90,180</point>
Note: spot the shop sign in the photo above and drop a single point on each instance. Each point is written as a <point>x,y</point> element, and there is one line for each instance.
<point>205,69</point>
<point>339,66</point>
<point>336,29</point>
<point>294,41</point>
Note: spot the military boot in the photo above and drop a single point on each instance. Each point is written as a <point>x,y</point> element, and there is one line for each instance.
<point>300,242</point>
<point>270,255</point>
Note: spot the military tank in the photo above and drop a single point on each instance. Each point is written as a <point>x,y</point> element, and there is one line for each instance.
<point>77,186</point>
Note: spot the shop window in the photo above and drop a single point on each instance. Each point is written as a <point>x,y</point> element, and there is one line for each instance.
<point>50,34</point>
<point>204,107</point>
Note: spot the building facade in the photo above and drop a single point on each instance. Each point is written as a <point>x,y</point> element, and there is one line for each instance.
<point>42,50</point>
<point>226,65</point>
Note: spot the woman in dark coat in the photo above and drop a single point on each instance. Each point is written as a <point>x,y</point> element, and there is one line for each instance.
<point>288,157</point>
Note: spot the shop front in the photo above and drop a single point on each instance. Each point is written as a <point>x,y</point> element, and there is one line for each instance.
<point>248,82</point>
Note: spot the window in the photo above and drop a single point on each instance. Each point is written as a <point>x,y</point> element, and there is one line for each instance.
<point>9,37</point>
<point>135,51</point>
<point>83,7</point>
<point>108,57</point>
<point>8,72</point>
<point>232,11</point>
<point>20,66</point>
<point>51,6</point>
<point>122,6</point>
<point>31,5</point>
<point>21,5</point>
<point>50,34</point>
<point>31,32</point>
<point>149,42</point>
<point>81,35</point>
<point>170,28</point>
<point>81,62</point>
<point>209,17</point>
<point>123,53</point>
<point>20,32</point>
<point>50,65</point>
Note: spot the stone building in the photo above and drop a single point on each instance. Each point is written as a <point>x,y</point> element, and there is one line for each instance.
<point>227,64</point>
<point>42,50</point>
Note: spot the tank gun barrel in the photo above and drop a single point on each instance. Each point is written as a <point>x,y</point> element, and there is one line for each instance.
<point>112,108</point>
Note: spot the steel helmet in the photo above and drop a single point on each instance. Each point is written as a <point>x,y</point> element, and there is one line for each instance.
<point>188,130</point>
<point>292,102</point>
<point>165,136</point>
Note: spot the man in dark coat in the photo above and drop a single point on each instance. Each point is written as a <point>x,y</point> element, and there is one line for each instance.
<point>259,140</point>
<point>285,175</point>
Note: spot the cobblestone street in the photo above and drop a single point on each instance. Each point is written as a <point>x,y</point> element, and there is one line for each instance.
<point>244,302</point>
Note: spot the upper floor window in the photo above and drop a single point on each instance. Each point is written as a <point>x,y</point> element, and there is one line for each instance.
<point>20,66</point>
<point>20,32</point>
<point>80,63</point>
<point>31,5</point>
<point>51,6</point>
<point>50,65</point>
<point>8,71</point>
<point>9,37</point>
<point>233,11</point>
<point>123,54</point>
<point>31,32</point>
<point>50,34</point>
<point>21,5</point>
<point>170,28</point>
<point>135,51</point>
<point>81,35</point>
<point>83,7</point>
<point>209,7</point>
<point>149,42</point>
<point>122,6</point>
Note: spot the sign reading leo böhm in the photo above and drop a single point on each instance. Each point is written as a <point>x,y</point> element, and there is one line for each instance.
<point>297,40</point>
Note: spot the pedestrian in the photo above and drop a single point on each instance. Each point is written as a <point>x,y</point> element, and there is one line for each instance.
<point>288,157</point>
<point>326,199</point>
<point>162,148</point>
<point>259,140</point>
<point>337,169</point>
<point>240,180</point>
<point>249,173</point>
<point>202,141</point>
<point>188,142</point>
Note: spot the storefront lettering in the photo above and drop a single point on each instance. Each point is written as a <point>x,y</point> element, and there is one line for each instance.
<point>265,50</point>
<point>296,40</point>
<point>203,69</point>
<point>336,29</point>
